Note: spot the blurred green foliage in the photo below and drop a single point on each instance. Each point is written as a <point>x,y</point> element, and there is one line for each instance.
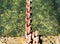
<point>45,16</point>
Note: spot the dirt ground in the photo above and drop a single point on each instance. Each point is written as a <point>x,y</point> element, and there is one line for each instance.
<point>21,40</point>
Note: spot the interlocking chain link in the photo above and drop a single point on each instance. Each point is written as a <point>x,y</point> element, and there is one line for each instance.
<point>28,16</point>
<point>31,38</point>
<point>28,19</point>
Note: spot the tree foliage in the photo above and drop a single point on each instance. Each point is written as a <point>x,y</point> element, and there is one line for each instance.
<point>45,17</point>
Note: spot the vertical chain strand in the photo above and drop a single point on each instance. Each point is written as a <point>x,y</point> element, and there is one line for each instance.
<point>31,38</point>
<point>28,19</point>
<point>28,16</point>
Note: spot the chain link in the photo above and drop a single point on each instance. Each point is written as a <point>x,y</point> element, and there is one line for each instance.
<point>30,37</point>
<point>28,16</point>
<point>28,19</point>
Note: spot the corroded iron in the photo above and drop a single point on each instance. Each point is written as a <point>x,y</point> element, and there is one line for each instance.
<point>28,27</point>
<point>31,37</point>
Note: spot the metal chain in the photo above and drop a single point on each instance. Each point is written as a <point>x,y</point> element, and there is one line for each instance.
<point>28,19</point>
<point>28,16</point>
<point>30,37</point>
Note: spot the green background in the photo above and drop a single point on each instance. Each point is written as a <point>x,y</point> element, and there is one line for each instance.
<point>45,17</point>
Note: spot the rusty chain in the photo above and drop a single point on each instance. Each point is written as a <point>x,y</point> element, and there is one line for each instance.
<point>28,19</point>
<point>28,27</point>
<point>28,16</point>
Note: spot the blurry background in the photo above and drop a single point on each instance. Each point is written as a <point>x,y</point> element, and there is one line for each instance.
<point>45,17</point>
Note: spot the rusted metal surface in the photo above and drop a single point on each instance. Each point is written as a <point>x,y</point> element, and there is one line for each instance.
<point>31,37</point>
<point>28,16</point>
<point>28,19</point>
